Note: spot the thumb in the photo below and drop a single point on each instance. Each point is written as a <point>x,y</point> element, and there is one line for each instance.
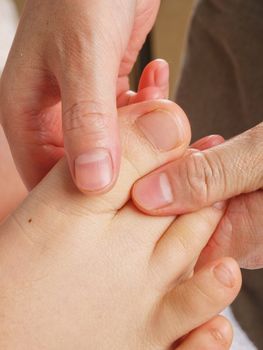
<point>203,178</point>
<point>90,125</point>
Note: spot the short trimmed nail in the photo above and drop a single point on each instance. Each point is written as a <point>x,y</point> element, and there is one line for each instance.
<point>224,275</point>
<point>94,170</point>
<point>220,336</point>
<point>164,130</point>
<point>153,192</point>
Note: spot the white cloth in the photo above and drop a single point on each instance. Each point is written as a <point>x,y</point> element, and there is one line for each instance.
<point>8,24</point>
<point>240,341</point>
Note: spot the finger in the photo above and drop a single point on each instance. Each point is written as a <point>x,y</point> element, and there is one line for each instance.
<point>203,178</point>
<point>152,228</point>
<point>87,80</point>
<point>154,84</point>
<point>144,143</point>
<point>216,334</point>
<point>197,300</point>
<point>239,233</point>
<point>91,130</point>
<point>182,243</point>
<point>144,149</point>
<point>208,142</point>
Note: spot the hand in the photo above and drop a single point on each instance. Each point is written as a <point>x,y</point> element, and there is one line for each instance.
<point>94,273</point>
<point>230,170</point>
<point>69,62</point>
<point>154,84</point>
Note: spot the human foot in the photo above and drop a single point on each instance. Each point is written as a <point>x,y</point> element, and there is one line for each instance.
<point>93,272</point>
<point>11,187</point>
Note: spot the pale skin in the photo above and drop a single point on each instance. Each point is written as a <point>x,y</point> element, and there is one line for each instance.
<point>83,39</point>
<point>236,236</point>
<point>55,87</point>
<point>12,188</point>
<point>154,84</point>
<point>216,333</point>
<point>201,178</point>
<point>93,272</point>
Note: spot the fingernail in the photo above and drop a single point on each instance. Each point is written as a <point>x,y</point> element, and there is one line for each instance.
<point>163,130</point>
<point>220,336</point>
<point>94,170</point>
<point>224,275</point>
<point>153,192</point>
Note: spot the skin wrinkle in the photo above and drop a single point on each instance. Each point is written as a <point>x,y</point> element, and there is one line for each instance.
<point>74,241</point>
<point>256,150</point>
<point>195,178</point>
<point>58,47</point>
<point>218,172</point>
<point>87,121</point>
<point>80,209</point>
<point>249,143</point>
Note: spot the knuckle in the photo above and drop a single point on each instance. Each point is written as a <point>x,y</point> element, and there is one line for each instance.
<point>196,172</point>
<point>202,174</point>
<point>87,116</point>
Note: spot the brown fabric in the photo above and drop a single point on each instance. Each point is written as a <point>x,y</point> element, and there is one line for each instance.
<point>221,90</point>
<point>221,87</point>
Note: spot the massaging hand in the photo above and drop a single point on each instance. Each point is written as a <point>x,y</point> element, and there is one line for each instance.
<point>154,84</point>
<point>69,62</point>
<point>230,170</point>
<point>83,272</point>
